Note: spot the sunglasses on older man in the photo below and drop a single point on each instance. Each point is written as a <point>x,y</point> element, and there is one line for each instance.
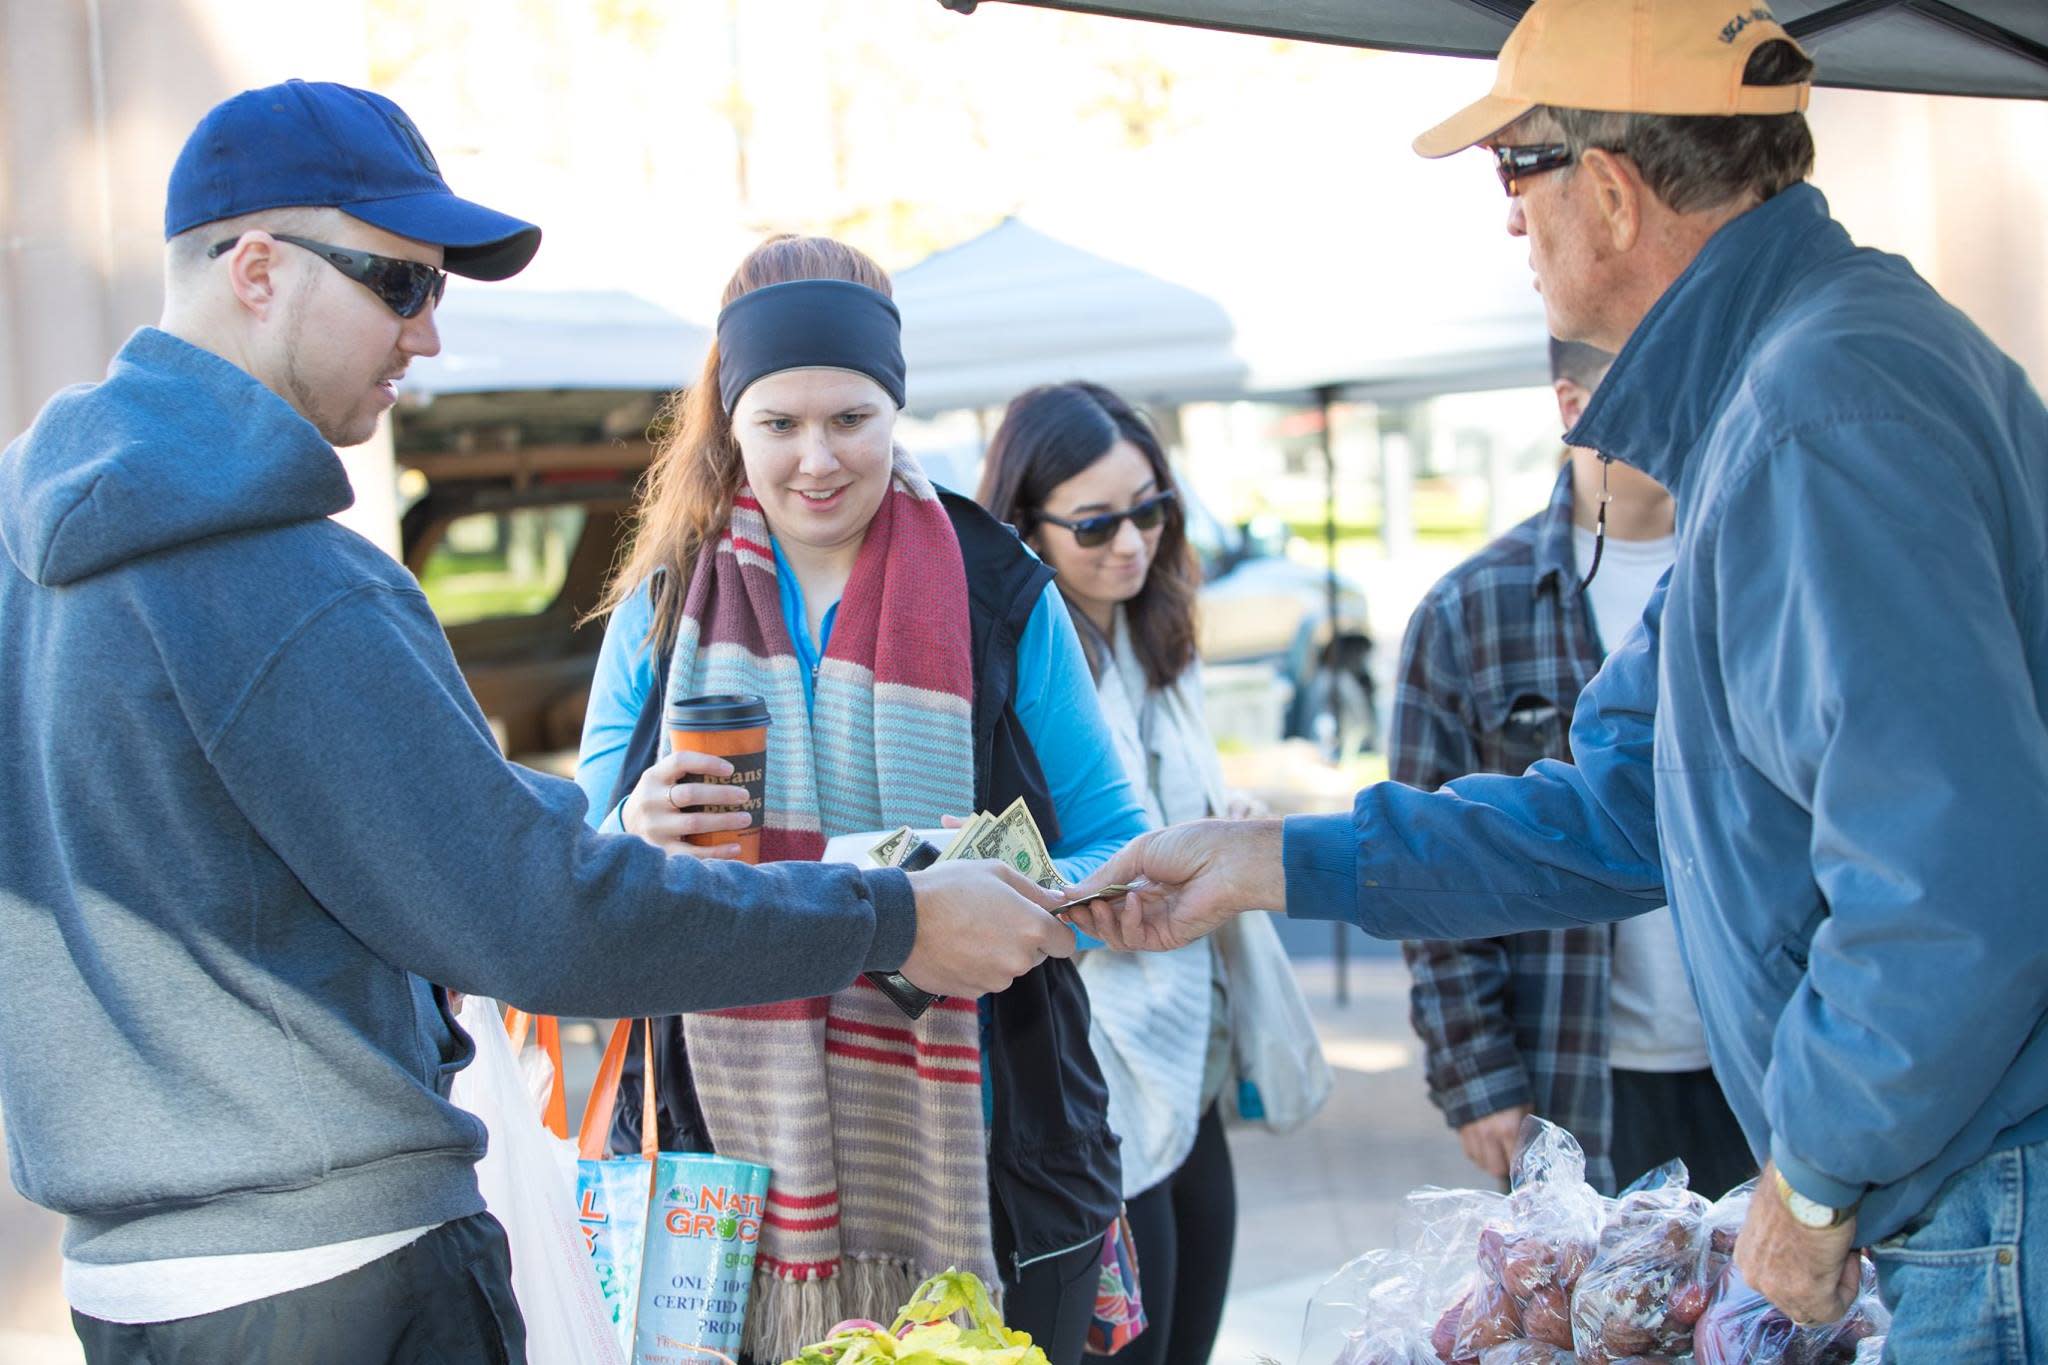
<point>1091,533</point>
<point>1516,164</point>
<point>406,287</point>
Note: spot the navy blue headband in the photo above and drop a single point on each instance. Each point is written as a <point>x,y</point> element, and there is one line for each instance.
<point>805,324</point>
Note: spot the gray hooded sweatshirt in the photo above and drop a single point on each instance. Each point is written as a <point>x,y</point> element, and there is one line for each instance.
<point>249,809</point>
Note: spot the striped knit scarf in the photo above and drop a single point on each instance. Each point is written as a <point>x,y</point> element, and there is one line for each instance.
<point>871,1124</point>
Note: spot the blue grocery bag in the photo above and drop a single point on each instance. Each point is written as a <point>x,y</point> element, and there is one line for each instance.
<point>611,1192</point>
<point>673,1234</point>
<point>703,1227</point>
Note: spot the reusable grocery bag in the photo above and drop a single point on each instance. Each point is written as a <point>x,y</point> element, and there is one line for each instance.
<point>703,1228</point>
<point>611,1192</point>
<point>672,1234</point>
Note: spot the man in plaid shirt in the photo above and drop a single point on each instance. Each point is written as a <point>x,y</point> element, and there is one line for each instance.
<point>1593,1028</point>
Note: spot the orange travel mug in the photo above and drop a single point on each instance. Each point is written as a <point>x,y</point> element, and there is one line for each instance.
<point>735,728</point>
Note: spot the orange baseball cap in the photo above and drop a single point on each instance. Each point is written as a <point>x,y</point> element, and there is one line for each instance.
<point>1624,56</point>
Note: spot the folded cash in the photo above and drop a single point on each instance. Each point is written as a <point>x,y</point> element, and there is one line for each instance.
<point>1106,893</point>
<point>892,850</point>
<point>1011,837</point>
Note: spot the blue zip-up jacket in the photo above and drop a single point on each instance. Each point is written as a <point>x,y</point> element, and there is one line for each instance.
<point>1825,744</point>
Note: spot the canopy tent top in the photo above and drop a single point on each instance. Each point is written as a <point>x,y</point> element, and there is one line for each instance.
<point>1013,307</point>
<point>501,340</point>
<point>1930,47</point>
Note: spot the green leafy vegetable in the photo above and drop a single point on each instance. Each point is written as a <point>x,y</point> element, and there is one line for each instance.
<point>924,1333</point>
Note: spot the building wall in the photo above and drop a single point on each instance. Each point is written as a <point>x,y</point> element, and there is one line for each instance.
<point>1959,188</point>
<point>96,97</point>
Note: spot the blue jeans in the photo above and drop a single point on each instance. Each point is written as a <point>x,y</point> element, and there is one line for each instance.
<point>1967,1281</point>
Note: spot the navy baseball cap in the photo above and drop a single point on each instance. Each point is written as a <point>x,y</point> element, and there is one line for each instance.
<point>318,145</point>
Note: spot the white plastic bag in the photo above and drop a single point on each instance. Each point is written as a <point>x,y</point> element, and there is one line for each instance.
<point>1283,1078</point>
<point>528,1178</point>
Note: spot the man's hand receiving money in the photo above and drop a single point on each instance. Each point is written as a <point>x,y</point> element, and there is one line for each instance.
<point>1192,877</point>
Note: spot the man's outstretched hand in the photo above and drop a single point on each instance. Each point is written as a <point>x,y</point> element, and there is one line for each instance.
<point>1193,877</point>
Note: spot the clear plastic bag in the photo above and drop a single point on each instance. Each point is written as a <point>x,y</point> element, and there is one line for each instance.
<point>1439,1232</point>
<point>1372,1312</point>
<point>1528,1252</point>
<point>1740,1327</point>
<point>1527,1353</point>
<point>1553,1235</point>
<point>1644,1290</point>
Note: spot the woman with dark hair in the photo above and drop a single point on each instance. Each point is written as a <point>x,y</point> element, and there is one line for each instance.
<point>1084,479</point>
<point>916,664</point>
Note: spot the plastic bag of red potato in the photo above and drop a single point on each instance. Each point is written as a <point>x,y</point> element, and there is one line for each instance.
<point>1554,1274</point>
<point>1649,1280</point>
<point>1528,1256</point>
<point>1372,1312</point>
<point>1741,1328</point>
<point>1552,1236</point>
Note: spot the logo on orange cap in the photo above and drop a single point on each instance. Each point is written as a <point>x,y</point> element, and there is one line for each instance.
<point>1624,56</point>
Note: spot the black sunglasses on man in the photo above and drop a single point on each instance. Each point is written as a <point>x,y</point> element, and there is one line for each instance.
<point>1516,164</point>
<point>406,287</point>
<point>1092,533</point>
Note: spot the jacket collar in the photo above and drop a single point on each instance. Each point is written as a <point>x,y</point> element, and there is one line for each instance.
<point>1672,375</point>
<point>1556,556</point>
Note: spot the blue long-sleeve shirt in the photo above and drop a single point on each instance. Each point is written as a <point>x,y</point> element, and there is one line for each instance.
<point>1055,703</point>
<point>1827,744</point>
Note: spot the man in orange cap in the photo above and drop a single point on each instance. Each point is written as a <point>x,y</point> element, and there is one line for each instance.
<point>1826,743</point>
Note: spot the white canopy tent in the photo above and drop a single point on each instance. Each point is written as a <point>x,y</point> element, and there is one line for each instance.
<point>496,339</point>
<point>989,318</point>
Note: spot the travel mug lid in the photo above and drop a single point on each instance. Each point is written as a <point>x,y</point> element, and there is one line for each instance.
<point>724,711</point>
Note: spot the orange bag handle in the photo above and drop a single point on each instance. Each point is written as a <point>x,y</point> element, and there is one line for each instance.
<point>549,1035</point>
<point>591,1139</point>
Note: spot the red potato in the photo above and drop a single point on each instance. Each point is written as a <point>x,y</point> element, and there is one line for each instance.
<point>1547,1317</point>
<point>1485,1316</point>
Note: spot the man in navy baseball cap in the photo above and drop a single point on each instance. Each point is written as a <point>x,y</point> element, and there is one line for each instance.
<point>314,144</point>
<point>251,810</point>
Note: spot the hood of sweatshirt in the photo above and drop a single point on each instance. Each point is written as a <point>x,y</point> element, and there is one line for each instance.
<point>105,475</point>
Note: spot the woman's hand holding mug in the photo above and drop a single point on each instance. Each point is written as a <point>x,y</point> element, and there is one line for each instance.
<point>667,808</point>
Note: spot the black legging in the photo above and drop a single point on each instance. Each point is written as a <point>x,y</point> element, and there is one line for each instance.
<point>1185,1227</point>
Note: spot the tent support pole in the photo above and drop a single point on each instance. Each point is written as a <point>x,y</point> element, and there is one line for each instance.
<point>1325,398</point>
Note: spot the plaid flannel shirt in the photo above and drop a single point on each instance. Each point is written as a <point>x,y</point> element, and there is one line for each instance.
<point>1494,660</point>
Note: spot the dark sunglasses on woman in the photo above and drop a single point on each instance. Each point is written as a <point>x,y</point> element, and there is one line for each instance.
<point>406,287</point>
<point>1094,532</point>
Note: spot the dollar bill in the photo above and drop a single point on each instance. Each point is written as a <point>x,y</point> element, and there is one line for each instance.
<point>894,849</point>
<point>964,838</point>
<point>1013,838</point>
<point>1107,893</point>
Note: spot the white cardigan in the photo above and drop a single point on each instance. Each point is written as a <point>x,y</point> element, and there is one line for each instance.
<point>1151,1012</point>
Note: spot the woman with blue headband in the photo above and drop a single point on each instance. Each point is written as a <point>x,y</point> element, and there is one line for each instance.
<point>917,663</point>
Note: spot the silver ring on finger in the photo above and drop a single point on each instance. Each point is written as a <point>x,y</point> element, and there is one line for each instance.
<point>672,797</point>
